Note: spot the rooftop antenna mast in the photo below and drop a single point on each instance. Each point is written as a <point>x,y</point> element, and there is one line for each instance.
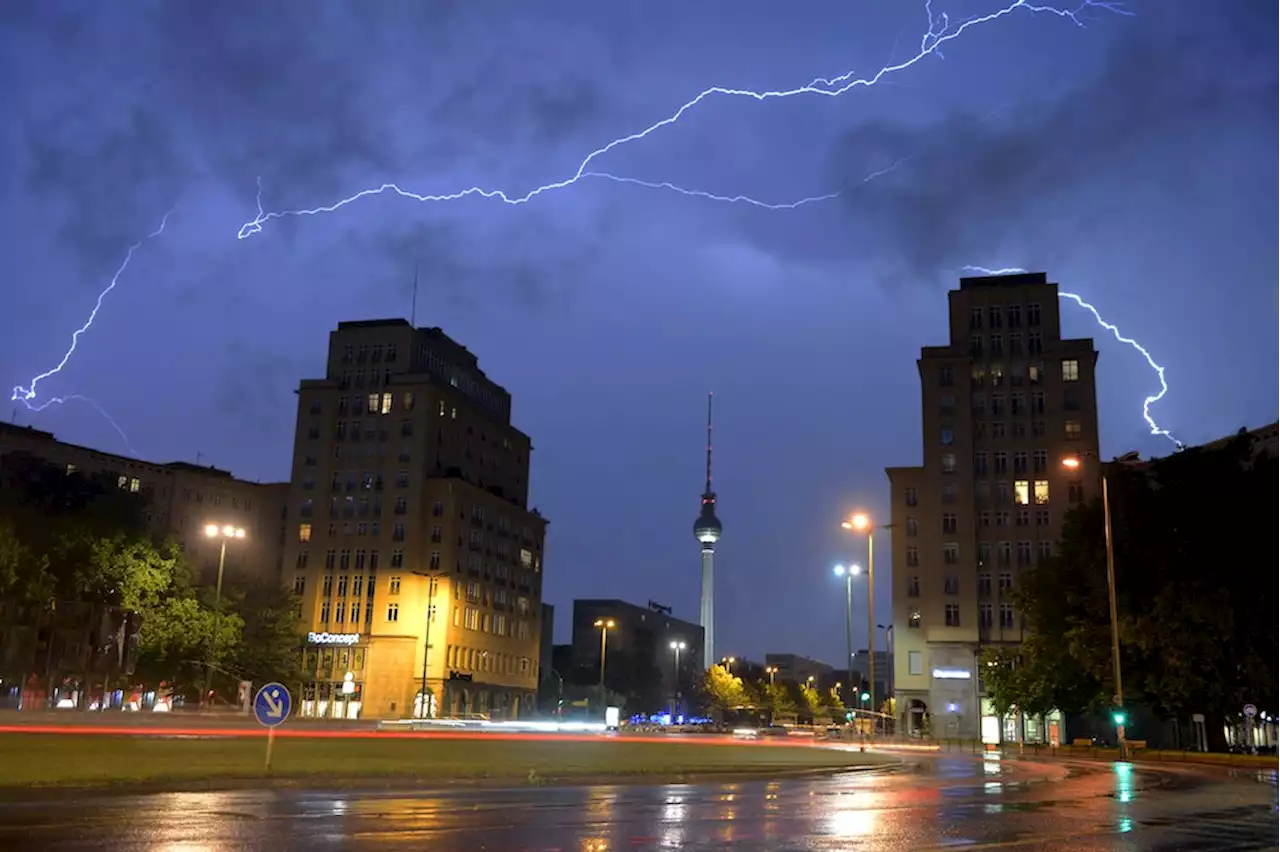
<point>413,309</point>
<point>708,491</point>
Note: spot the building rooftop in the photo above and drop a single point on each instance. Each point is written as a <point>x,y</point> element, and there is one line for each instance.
<point>1013,279</point>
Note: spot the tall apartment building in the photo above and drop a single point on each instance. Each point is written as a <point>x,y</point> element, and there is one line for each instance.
<point>182,499</point>
<point>1003,404</point>
<point>413,546</point>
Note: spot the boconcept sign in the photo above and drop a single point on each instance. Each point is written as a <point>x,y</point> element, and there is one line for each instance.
<point>333,638</point>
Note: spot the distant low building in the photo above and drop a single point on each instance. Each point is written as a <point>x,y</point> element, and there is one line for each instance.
<point>182,499</point>
<point>642,650</point>
<point>793,668</point>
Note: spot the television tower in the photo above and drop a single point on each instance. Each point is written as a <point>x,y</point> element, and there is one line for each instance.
<point>707,530</point>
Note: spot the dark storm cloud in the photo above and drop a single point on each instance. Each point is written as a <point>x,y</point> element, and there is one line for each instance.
<point>312,97</point>
<point>530,263</point>
<point>251,384</point>
<point>971,182</point>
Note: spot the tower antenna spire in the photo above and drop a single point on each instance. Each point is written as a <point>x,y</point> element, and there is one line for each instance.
<point>709,396</point>
<point>413,308</point>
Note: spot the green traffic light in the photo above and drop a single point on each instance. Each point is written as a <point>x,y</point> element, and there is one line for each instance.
<point>1118,717</point>
<point>866,696</point>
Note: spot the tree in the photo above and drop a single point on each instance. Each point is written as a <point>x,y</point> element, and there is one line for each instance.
<point>270,638</point>
<point>776,700</point>
<point>722,690</point>
<point>809,702</point>
<point>1191,533</point>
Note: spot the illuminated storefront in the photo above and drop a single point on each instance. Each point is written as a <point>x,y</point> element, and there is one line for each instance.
<point>335,664</point>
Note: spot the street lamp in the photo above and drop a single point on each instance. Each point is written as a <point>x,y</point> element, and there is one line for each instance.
<point>728,662</point>
<point>1074,463</point>
<point>888,649</point>
<point>222,533</point>
<point>771,671</point>
<point>676,647</point>
<point>848,572</point>
<point>425,703</point>
<point>860,523</point>
<point>605,624</point>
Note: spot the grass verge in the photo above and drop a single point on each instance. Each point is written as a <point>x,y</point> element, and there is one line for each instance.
<point>74,760</point>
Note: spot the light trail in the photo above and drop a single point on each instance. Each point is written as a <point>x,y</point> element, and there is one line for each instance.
<point>939,32</point>
<point>1156,429</point>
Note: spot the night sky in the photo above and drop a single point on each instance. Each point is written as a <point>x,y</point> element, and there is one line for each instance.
<point>1133,159</point>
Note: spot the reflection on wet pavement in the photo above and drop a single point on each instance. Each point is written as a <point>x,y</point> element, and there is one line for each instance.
<point>933,803</point>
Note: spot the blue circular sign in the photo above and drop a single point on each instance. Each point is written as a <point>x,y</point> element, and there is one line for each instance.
<point>272,704</point>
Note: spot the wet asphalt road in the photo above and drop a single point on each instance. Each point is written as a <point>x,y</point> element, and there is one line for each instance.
<point>934,803</point>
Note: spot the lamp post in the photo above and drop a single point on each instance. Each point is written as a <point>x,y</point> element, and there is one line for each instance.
<point>426,642</point>
<point>728,662</point>
<point>676,647</point>
<point>1074,463</point>
<point>604,624</point>
<point>888,649</point>
<point>860,522</point>
<point>771,671</point>
<point>848,572</point>
<point>222,533</point>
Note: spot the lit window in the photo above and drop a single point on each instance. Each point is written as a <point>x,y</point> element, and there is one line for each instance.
<point>948,462</point>
<point>386,403</point>
<point>913,620</point>
<point>372,405</point>
<point>1072,430</point>
<point>1042,492</point>
<point>1022,492</point>
<point>1071,371</point>
<point>304,532</point>
<point>134,484</point>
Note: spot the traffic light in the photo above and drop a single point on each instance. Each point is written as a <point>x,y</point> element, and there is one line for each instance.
<point>848,717</point>
<point>1118,716</point>
<point>866,696</point>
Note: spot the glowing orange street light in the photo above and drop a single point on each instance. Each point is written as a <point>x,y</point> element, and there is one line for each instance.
<point>1071,462</point>
<point>605,625</point>
<point>858,522</point>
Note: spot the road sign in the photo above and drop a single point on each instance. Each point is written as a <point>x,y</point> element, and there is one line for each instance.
<point>272,704</point>
<point>1250,710</point>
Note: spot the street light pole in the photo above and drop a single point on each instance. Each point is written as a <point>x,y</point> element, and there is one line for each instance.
<point>860,522</point>
<point>848,573</point>
<point>676,646</point>
<point>426,645</point>
<point>1073,463</point>
<point>222,533</point>
<point>1115,621</point>
<point>604,625</point>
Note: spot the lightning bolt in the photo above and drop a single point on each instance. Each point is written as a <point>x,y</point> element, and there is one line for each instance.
<point>27,394</point>
<point>1128,341</point>
<point>60,400</point>
<point>940,31</point>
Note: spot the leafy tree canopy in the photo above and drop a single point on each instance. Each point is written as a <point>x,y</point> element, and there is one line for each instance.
<point>1195,584</point>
